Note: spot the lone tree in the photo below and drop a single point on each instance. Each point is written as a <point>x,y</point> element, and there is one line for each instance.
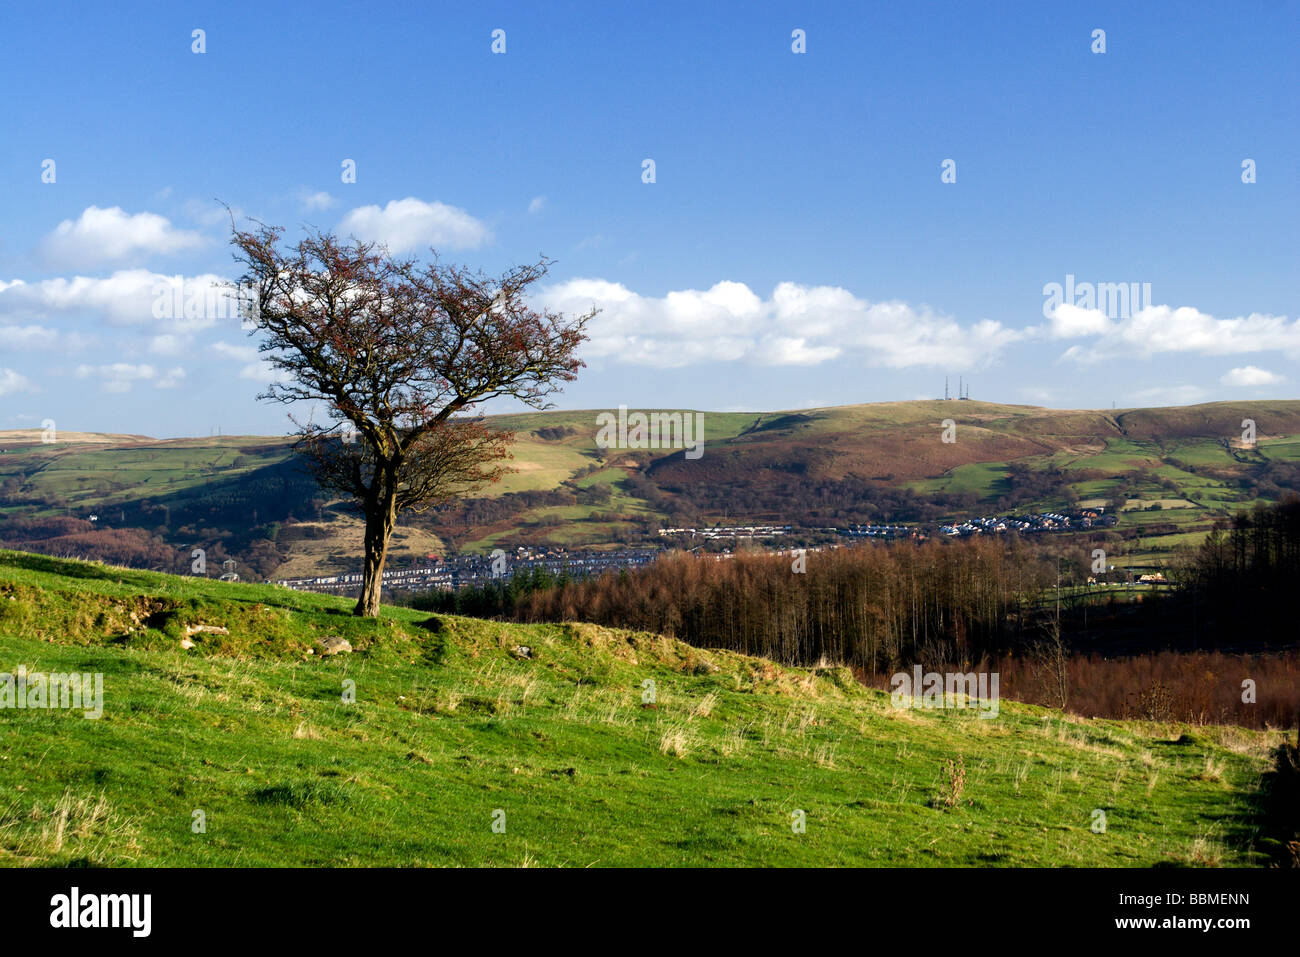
<point>399,352</point>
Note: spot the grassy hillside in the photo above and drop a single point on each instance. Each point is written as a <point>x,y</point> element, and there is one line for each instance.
<point>450,727</point>
<point>1187,458</point>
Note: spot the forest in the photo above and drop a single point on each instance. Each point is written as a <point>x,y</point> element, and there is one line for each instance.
<point>964,604</point>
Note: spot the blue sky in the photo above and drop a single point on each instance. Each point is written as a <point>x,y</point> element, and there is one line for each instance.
<point>797,248</point>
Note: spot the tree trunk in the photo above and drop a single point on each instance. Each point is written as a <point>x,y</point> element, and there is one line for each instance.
<point>381,516</point>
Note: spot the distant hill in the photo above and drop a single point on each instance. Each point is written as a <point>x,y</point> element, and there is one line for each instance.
<point>243,495</point>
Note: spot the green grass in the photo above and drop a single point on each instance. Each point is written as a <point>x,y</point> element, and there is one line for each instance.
<point>449,728</point>
<point>1120,455</point>
<point>1280,450</point>
<point>985,479</point>
<point>84,475</point>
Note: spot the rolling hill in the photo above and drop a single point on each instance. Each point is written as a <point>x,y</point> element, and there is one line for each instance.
<point>809,467</point>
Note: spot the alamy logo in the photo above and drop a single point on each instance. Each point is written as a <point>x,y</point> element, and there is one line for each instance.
<point>652,430</point>
<point>952,690</point>
<point>134,911</point>
<point>180,298</point>
<point>1117,300</point>
<point>37,691</point>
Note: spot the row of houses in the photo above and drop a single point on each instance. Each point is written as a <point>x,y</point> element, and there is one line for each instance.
<point>1031,523</point>
<point>473,569</point>
<point>879,531</point>
<point>728,531</point>
<point>777,531</point>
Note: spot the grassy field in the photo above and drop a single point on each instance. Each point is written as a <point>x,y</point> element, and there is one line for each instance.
<point>985,479</point>
<point>85,471</point>
<point>451,733</point>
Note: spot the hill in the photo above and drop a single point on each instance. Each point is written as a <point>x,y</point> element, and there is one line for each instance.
<point>882,462</point>
<point>454,727</point>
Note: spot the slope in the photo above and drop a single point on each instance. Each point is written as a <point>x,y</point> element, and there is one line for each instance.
<point>591,747</point>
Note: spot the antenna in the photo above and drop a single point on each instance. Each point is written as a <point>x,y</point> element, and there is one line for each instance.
<point>945,388</point>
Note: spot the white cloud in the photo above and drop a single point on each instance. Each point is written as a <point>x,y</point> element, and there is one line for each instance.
<point>1166,329</point>
<point>255,368</point>
<point>168,344</point>
<point>537,204</point>
<point>799,325</point>
<point>27,337</point>
<point>311,202</point>
<point>117,377</point>
<point>1070,321</point>
<point>11,382</point>
<point>172,379</point>
<point>111,235</point>
<point>264,373</point>
<point>407,224</point>
<point>127,297</point>
<point>239,353</point>
<point>1247,376</point>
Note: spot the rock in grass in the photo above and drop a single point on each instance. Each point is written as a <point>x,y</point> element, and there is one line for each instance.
<point>522,651</point>
<point>334,645</point>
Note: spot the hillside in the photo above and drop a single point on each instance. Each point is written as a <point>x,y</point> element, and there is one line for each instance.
<point>882,462</point>
<point>451,727</point>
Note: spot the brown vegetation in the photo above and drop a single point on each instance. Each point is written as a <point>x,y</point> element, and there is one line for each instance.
<point>1190,687</point>
<point>867,607</point>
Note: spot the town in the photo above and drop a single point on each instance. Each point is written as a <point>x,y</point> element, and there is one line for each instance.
<point>454,573</point>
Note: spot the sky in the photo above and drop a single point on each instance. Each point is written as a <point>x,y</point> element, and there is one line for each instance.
<point>850,223</point>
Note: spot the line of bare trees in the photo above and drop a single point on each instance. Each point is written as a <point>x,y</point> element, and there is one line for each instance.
<point>870,607</point>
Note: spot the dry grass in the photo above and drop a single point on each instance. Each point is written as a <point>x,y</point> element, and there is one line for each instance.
<point>704,707</point>
<point>79,828</point>
<point>733,742</point>
<point>1213,770</point>
<point>953,783</point>
<point>677,741</point>
<point>305,731</point>
<point>824,755</point>
<point>1204,851</point>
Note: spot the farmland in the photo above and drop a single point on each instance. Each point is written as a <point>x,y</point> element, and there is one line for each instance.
<point>1175,471</point>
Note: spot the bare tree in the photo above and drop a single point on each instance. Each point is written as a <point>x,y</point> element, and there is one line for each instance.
<point>1050,656</point>
<point>1050,662</point>
<point>398,352</point>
